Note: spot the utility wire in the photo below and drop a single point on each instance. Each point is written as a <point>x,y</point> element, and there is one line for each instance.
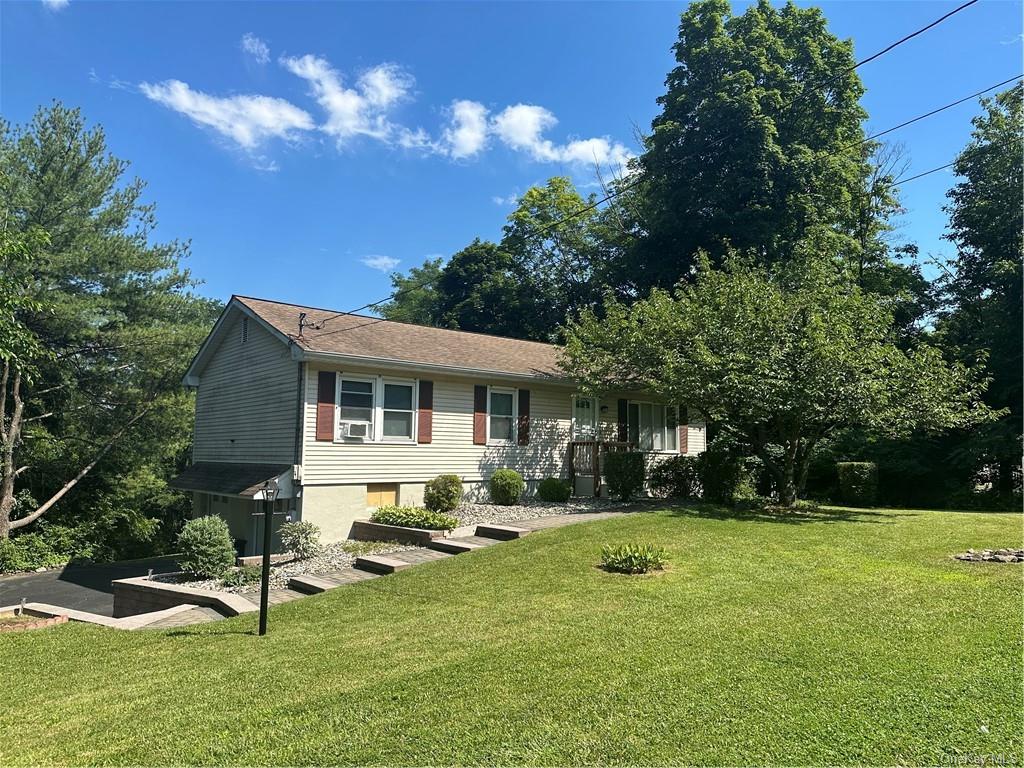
<point>925,173</point>
<point>625,187</point>
<point>933,112</point>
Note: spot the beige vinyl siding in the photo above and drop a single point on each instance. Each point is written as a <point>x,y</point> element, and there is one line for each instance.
<point>452,449</point>
<point>247,398</point>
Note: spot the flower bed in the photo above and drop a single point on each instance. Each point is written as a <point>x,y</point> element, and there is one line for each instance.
<point>471,514</point>
<point>20,622</point>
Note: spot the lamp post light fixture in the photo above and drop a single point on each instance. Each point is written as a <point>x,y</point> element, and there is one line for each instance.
<point>269,493</point>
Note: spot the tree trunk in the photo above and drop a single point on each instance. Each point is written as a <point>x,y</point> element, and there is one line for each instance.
<point>10,433</point>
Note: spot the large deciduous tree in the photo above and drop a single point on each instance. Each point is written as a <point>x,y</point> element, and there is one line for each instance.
<point>550,263</point>
<point>781,358</point>
<point>109,323</point>
<point>758,143</point>
<point>985,309</point>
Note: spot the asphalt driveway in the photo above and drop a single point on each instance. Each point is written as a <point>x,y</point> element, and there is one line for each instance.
<point>81,587</point>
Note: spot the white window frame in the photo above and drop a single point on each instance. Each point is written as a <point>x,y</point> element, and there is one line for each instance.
<point>596,406</point>
<point>515,410</point>
<point>414,413</point>
<point>376,430</point>
<point>371,434</point>
<point>664,408</point>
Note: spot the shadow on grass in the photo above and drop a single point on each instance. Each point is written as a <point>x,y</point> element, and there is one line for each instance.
<point>785,516</point>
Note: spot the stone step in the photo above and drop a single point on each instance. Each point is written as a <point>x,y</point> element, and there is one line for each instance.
<point>454,546</point>
<point>309,584</point>
<point>501,532</point>
<point>381,564</point>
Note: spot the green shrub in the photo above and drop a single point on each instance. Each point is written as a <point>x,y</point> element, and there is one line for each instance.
<point>413,517</point>
<point>625,474</point>
<point>239,577</point>
<point>858,483</point>
<point>729,477</point>
<point>632,558</point>
<point>677,477</point>
<point>554,489</point>
<point>28,552</point>
<point>443,493</point>
<point>507,487</point>
<point>301,538</point>
<point>207,551</point>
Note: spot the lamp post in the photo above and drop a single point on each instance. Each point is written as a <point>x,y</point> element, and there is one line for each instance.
<point>270,491</point>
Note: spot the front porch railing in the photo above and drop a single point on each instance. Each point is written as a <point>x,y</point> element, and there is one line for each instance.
<point>586,458</point>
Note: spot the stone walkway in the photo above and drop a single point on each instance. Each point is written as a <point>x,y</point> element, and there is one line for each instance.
<point>368,567</point>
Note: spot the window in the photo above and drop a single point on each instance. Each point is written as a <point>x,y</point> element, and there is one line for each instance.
<point>584,418</point>
<point>355,407</point>
<point>500,419</point>
<point>376,409</point>
<point>397,411</point>
<point>653,427</point>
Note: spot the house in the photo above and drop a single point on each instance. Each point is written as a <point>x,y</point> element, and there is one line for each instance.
<point>350,412</point>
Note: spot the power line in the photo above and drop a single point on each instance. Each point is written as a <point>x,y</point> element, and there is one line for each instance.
<point>933,112</point>
<point>925,173</point>
<point>626,187</point>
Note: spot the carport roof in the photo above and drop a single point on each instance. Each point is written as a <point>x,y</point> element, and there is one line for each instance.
<point>229,479</point>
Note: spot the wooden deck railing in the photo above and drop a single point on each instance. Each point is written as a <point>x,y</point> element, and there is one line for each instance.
<point>586,458</point>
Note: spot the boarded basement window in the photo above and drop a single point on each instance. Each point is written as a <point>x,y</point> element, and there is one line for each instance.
<point>381,494</point>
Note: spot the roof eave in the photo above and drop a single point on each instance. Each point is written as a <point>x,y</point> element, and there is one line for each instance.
<point>430,368</point>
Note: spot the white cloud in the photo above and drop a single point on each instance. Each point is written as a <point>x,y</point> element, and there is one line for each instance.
<point>359,111</point>
<point>255,47</point>
<point>503,200</point>
<point>248,120</point>
<point>466,134</point>
<point>522,126</point>
<point>56,5</point>
<point>381,263</point>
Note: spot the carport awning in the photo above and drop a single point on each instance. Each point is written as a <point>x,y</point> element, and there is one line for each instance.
<point>229,479</point>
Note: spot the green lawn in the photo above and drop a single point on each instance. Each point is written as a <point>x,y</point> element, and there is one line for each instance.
<point>847,637</point>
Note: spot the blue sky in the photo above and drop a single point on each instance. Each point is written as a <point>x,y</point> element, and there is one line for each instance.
<point>306,149</point>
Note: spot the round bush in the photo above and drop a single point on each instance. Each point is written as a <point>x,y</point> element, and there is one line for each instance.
<point>506,487</point>
<point>443,493</point>
<point>206,548</point>
<point>858,483</point>
<point>301,538</point>
<point>553,489</point>
<point>625,474</point>
<point>677,477</point>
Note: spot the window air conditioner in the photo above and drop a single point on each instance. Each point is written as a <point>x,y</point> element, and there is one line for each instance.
<point>358,429</point>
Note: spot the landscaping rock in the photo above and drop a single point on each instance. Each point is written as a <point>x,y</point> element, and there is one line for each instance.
<point>992,556</point>
<point>471,514</point>
<point>332,557</point>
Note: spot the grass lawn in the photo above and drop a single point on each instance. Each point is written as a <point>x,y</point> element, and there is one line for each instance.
<point>846,637</point>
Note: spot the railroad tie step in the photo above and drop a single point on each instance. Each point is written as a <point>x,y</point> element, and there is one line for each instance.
<point>502,532</point>
<point>381,564</point>
<point>454,546</point>
<point>309,584</point>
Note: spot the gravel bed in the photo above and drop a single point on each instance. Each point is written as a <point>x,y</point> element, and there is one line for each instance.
<point>471,514</point>
<point>333,557</point>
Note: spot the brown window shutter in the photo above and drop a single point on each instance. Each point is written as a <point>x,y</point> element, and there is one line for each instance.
<point>623,420</point>
<point>684,430</point>
<point>425,417</point>
<point>325,391</point>
<point>524,417</point>
<point>479,415</point>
